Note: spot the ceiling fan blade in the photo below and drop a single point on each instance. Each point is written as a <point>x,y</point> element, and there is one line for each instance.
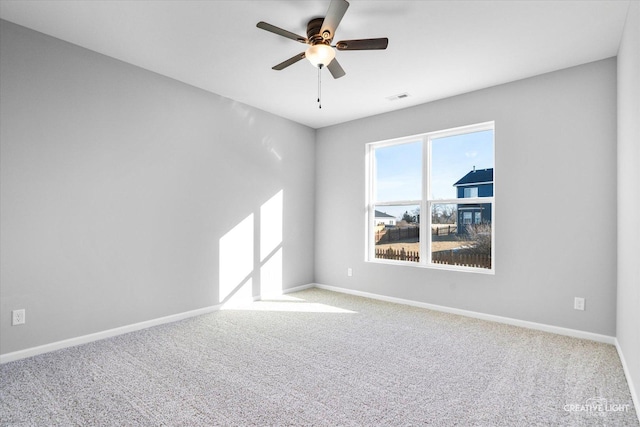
<point>336,11</point>
<point>281,32</point>
<point>290,61</point>
<point>335,69</point>
<point>363,44</point>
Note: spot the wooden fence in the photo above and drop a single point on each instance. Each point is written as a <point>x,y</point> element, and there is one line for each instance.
<point>387,235</point>
<point>400,255</point>
<point>443,231</point>
<point>461,258</point>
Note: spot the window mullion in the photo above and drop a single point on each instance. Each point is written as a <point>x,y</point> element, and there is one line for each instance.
<point>425,206</point>
<point>370,202</point>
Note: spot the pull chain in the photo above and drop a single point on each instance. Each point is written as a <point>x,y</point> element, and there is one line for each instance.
<point>319,86</point>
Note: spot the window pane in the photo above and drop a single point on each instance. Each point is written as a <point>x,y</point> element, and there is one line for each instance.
<point>470,192</point>
<point>398,172</point>
<point>397,232</point>
<point>461,234</point>
<point>462,166</point>
<point>466,218</point>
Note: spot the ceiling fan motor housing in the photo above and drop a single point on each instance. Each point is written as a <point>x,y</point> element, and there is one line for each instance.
<point>313,32</point>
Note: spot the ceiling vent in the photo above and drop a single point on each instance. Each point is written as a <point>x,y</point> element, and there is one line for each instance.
<point>398,96</point>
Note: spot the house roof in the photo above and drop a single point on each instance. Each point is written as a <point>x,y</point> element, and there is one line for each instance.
<point>476,176</point>
<point>383,215</point>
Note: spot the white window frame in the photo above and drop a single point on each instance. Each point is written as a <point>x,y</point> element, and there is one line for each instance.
<point>425,202</point>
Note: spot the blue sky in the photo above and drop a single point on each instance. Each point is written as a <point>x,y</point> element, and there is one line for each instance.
<point>399,167</point>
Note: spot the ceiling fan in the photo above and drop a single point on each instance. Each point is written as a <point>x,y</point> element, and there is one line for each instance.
<point>320,33</point>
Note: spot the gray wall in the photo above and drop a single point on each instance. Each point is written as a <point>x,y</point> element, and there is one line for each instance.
<point>555,223</point>
<point>628,327</point>
<point>118,184</point>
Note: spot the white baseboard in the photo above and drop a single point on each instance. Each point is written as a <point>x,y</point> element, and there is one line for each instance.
<point>493,318</point>
<point>299,288</point>
<point>72,342</point>
<point>627,374</point>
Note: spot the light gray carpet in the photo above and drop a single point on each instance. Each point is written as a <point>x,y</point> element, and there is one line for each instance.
<point>322,359</point>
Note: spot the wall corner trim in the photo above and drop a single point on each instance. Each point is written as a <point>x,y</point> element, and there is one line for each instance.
<point>299,288</point>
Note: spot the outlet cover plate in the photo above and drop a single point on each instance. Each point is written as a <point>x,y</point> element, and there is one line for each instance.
<point>18,317</point>
<point>578,303</point>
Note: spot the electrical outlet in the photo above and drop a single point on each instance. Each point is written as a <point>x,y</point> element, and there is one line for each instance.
<point>578,303</point>
<point>18,317</point>
<point>349,271</point>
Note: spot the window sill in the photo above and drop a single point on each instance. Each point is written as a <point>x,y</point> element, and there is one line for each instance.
<point>441,267</point>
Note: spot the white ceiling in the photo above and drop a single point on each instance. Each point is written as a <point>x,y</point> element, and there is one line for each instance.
<point>436,49</point>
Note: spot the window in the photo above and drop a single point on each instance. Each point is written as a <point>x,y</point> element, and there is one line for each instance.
<point>447,174</point>
<point>466,218</point>
<point>471,192</point>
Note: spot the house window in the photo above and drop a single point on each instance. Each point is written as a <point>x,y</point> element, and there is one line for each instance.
<point>471,192</point>
<point>450,176</point>
<point>466,218</point>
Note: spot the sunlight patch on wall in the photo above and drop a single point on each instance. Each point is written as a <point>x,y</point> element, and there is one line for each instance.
<point>241,295</point>
<point>271,276</point>
<point>236,261</point>
<point>242,266</point>
<point>271,225</point>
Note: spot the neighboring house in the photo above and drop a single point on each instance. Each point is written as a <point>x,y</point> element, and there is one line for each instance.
<point>385,218</point>
<point>477,183</point>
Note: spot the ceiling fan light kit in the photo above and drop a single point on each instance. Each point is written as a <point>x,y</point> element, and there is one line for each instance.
<point>320,54</point>
<point>320,33</point>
